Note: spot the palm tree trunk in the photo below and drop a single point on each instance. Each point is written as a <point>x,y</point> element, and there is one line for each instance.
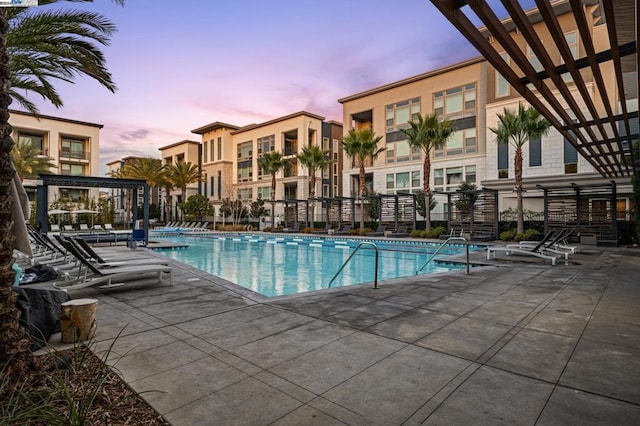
<point>183,194</point>
<point>362,187</point>
<point>273,198</point>
<point>14,342</point>
<point>312,195</point>
<point>518,170</point>
<point>426,171</point>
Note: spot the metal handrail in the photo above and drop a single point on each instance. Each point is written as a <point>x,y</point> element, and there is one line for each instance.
<point>375,247</point>
<point>441,247</point>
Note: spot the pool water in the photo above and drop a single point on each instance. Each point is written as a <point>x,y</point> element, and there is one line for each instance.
<point>276,266</point>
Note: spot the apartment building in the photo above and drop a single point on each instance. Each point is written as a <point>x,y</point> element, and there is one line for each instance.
<point>186,151</point>
<point>72,145</point>
<point>118,195</point>
<point>230,158</point>
<point>457,93</point>
<point>471,94</point>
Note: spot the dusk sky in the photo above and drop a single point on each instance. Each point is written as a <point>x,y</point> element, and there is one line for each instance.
<point>183,64</point>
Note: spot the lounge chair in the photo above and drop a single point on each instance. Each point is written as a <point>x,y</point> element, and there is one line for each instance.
<point>401,232</point>
<point>68,228</point>
<point>84,227</point>
<point>112,277</point>
<point>108,227</point>
<point>538,250</point>
<point>113,259</point>
<point>324,230</point>
<point>55,227</point>
<point>344,230</point>
<point>379,232</point>
<point>98,228</point>
<point>556,244</point>
<point>294,229</point>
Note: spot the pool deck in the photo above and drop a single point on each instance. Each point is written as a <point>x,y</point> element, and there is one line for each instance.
<point>517,342</point>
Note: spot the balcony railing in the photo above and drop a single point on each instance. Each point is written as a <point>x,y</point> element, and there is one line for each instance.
<point>75,155</point>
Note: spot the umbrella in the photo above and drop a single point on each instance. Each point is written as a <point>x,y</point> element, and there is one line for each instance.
<point>57,211</point>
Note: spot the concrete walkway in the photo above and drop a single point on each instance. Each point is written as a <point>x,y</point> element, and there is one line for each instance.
<point>513,343</point>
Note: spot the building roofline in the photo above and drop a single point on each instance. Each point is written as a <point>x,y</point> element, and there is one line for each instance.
<point>276,120</point>
<point>337,123</point>
<point>214,126</point>
<point>413,79</point>
<point>51,117</point>
<point>186,142</point>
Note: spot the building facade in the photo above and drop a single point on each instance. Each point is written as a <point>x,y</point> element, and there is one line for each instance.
<point>72,145</point>
<point>471,94</point>
<point>186,151</point>
<point>230,157</point>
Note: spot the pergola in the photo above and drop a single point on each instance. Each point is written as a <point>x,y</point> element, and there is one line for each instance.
<point>296,216</point>
<point>329,202</point>
<point>568,207</point>
<point>604,137</point>
<point>474,208</point>
<point>389,207</point>
<point>47,180</point>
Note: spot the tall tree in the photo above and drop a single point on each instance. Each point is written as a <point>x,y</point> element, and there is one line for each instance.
<point>36,48</point>
<point>181,175</point>
<point>271,163</point>
<point>28,161</point>
<point>428,133</point>
<point>149,169</point>
<point>315,159</point>
<point>361,146</point>
<point>518,128</point>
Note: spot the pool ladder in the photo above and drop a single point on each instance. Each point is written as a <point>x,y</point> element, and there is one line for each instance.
<point>364,243</point>
<point>466,243</point>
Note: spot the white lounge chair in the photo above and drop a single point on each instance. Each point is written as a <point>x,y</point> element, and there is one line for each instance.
<point>536,251</point>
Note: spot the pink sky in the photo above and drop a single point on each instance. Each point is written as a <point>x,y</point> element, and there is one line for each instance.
<point>182,64</point>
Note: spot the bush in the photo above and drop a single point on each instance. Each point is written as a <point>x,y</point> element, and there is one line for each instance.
<point>364,231</point>
<point>436,232</point>
<point>528,235</point>
<point>416,233</point>
<point>508,235</point>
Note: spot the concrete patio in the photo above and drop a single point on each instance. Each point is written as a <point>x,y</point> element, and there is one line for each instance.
<point>517,342</point>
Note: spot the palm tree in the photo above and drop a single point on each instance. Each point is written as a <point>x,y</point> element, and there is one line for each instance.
<point>28,161</point>
<point>362,145</point>
<point>271,163</point>
<point>149,169</point>
<point>182,175</point>
<point>36,48</point>
<point>314,159</point>
<point>428,133</point>
<point>518,128</point>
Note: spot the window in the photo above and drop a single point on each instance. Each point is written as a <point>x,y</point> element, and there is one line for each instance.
<point>205,145</point>
<point>454,177</point>
<point>460,142</point>
<point>455,103</point>
<point>535,152</point>
<point>72,169</point>
<point>245,194</point>
<point>403,182</point>
<point>470,174</point>
<point>219,149</point>
<point>264,192</point>
<point>572,41</point>
<point>336,143</point>
<point>73,148</point>
<point>502,85</point>
<point>570,158</point>
<point>212,150</point>
<point>398,114</point>
<point>213,186</point>
<point>398,149</point>
<point>325,143</point>
<point>533,59</point>
<point>245,151</point>
<point>36,141</point>
<point>503,161</point>
<point>219,185</point>
<point>74,194</point>
<point>438,179</point>
<point>266,144</point>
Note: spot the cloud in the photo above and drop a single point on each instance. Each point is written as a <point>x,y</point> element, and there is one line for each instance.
<point>135,135</point>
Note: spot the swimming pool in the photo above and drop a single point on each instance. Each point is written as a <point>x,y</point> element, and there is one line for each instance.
<point>284,265</point>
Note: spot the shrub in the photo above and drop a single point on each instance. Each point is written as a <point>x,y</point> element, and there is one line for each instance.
<point>353,231</point>
<point>436,232</point>
<point>364,231</point>
<point>527,235</point>
<point>423,234</point>
<point>416,233</point>
<point>508,235</point>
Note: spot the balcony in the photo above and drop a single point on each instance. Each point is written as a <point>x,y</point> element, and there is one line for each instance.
<point>75,155</point>
<point>290,149</point>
